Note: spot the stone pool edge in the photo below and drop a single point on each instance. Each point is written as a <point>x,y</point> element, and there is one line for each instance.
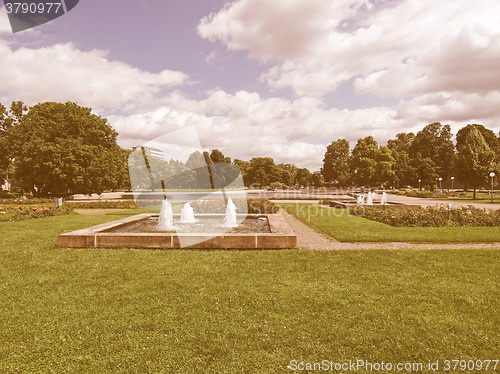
<point>281,237</point>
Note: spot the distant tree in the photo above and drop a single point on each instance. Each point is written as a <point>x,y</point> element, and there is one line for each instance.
<point>364,161</point>
<point>488,135</point>
<point>304,177</point>
<point>245,168</point>
<point>199,164</point>
<point>425,169</point>
<point>384,170</point>
<point>336,164</point>
<point>60,149</point>
<point>475,159</point>
<point>263,171</point>
<point>434,142</point>
<point>402,143</point>
<point>289,173</point>
<point>218,156</point>
<point>404,172</point>
<point>4,143</point>
<point>8,119</point>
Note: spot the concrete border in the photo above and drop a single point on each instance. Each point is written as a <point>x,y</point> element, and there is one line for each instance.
<point>281,236</point>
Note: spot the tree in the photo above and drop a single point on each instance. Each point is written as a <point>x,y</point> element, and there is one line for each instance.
<point>425,168</point>
<point>218,156</point>
<point>60,149</point>
<point>8,119</point>
<point>404,172</point>
<point>364,161</point>
<point>304,177</point>
<point>475,159</point>
<point>384,170</point>
<point>336,162</point>
<point>245,169</point>
<point>4,143</point>
<point>434,142</point>
<point>263,171</point>
<point>488,135</point>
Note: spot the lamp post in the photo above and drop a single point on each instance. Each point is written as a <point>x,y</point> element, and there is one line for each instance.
<point>440,186</point>
<point>419,181</point>
<point>492,175</point>
<point>452,179</point>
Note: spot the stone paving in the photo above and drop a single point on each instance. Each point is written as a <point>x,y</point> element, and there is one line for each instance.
<point>308,238</point>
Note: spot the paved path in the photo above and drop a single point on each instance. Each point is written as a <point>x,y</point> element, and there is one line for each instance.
<point>308,238</point>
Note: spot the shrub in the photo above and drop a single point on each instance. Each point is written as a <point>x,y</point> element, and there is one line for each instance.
<point>254,206</point>
<point>423,193</point>
<point>125,204</point>
<point>430,216</point>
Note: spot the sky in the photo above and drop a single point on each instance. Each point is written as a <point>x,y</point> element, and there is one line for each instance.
<point>280,78</point>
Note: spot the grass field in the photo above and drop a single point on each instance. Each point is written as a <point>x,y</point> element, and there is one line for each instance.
<point>344,227</point>
<point>228,311</point>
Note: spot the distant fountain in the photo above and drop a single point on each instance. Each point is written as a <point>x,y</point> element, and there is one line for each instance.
<point>166,217</point>
<point>230,217</point>
<point>383,200</point>
<point>187,214</point>
<point>369,198</point>
<point>360,200</point>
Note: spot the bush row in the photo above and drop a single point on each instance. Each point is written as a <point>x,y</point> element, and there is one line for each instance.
<point>430,216</point>
<point>253,206</point>
<point>125,204</point>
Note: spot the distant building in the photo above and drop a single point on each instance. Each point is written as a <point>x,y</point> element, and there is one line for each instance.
<point>152,152</point>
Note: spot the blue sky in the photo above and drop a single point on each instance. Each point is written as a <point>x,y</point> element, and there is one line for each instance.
<point>279,78</point>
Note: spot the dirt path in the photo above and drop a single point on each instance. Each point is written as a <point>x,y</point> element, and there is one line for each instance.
<point>310,239</point>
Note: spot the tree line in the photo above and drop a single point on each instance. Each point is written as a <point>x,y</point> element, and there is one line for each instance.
<point>415,159</point>
<point>56,149</point>
<point>60,149</point>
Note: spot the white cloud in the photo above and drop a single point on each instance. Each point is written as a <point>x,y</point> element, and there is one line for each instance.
<point>245,125</point>
<point>62,72</point>
<point>409,48</point>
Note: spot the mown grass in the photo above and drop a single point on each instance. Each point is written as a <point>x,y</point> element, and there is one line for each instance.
<point>189,311</point>
<point>342,226</point>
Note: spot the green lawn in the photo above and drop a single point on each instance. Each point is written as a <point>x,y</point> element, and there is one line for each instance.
<point>344,227</point>
<point>481,197</point>
<point>189,311</point>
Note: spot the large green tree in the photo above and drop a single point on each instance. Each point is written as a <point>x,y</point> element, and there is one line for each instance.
<point>488,135</point>
<point>336,164</point>
<point>304,177</point>
<point>434,143</point>
<point>475,158</point>
<point>60,149</point>
<point>400,147</point>
<point>364,161</point>
<point>384,171</point>
<point>8,119</point>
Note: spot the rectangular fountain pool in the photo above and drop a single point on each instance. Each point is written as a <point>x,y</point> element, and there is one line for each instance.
<point>265,231</point>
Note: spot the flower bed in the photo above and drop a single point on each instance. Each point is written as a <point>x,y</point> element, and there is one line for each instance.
<point>430,216</point>
<point>21,212</point>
